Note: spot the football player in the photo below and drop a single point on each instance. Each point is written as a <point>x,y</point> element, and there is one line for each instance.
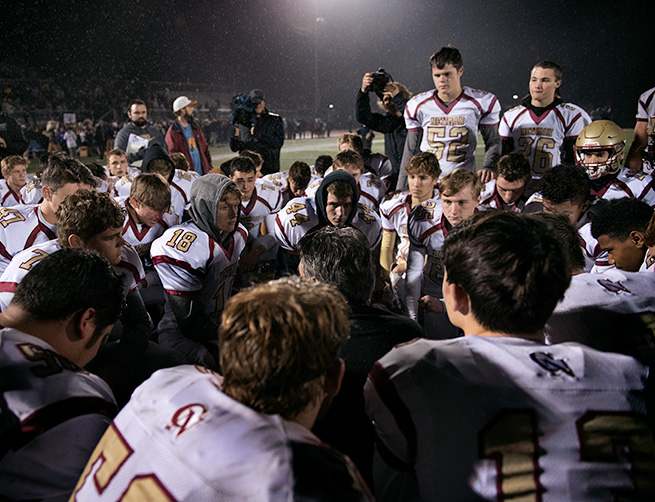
<point>335,204</point>
<point>429,225</point>
<point>543,127</point>
<point>53,414</point>
<point>189,434</point>
<point>14,172</point>
<point>196,262</point>
<point>446,120</point>
<point>23,226</point>
<point>511,188</point>
<point>497,414</point>
<point>620,228</point>
<point>599,149</point>
<point>260,201</point>
<point>565,191</point>
<point>377,163</point>
<point>423,175</point>
<point>292,183</point>
<point>641,156</point>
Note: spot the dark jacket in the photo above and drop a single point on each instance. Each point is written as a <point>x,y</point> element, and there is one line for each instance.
<point>11,132</point>
<point>156,152</point>
<point>149,132</point>
<point>176,142</point>
<point>392,126</point>
<point>267,140</point>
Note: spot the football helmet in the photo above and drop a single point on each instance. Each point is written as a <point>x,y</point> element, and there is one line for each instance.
<point>600,135</point>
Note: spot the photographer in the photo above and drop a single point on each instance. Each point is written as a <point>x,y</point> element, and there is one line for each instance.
<point>259,131</point>
<point>392,99</point>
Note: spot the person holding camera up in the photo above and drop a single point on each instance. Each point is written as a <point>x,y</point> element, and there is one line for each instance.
<point>392,98</point>
<point>261,132</point>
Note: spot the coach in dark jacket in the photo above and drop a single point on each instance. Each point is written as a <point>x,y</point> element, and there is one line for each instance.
<point>266,136</point>
<point>341,256</point>
<point>185,136</point>
<point>391,123</point>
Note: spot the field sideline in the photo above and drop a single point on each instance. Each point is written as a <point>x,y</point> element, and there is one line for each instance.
<point>308,149</point>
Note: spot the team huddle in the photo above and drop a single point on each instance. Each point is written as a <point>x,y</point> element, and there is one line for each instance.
<point>350,330</point>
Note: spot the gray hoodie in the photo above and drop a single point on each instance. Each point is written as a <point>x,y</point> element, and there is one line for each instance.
<point>206,192</point>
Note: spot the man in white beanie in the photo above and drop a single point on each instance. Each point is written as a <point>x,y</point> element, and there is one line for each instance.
<point>185,136</point>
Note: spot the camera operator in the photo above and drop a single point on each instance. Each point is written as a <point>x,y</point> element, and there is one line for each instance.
<point>263,134</point>
<point>392,99</point>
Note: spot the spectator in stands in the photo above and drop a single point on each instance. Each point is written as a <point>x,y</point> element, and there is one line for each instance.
<point>266,136</point>
<point>137,135</point>
<point>186,136</point>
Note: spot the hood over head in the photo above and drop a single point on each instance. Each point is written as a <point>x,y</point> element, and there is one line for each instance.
<point>206,192</point>
<point>321,195</point>
<point>153,152</point>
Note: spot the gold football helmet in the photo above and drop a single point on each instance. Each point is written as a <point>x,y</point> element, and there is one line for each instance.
<point>602,135</point>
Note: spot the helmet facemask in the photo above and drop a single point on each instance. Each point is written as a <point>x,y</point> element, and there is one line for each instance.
<point>600,135</point>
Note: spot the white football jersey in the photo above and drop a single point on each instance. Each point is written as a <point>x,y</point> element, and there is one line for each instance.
<point>428,229</point>
<point>21,227</point>
<point>31,193</point>
<point>540,138</point>
<point>504,418</point>
<point>9,198</point>
<point>280,181</point>
<point>266,199</point>
<point>613,311</point>
<point>189,261</point>
<point>637,186</point>
<point>181,438</point>
<point>451,132</point>
<point>380,165</point>
<point>300,216</point>
<point>53,415</point>
<point>122,186</point>
<point>130,269</point>
<point>137,233</point>
<point>182,181</point>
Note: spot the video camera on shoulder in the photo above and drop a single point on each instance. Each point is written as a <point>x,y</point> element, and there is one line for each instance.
<point>380,79</point>
<point>242,109</point>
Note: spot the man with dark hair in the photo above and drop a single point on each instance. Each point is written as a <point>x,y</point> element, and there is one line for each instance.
<point>565,190</point>
<point>455,417</point>
<point>335,204</point>
<point>136,135</point>
<point>185,136</point>
<point>53,413</point>
<point>341,256</point>
<point>620,227</point>
<point>392,100</point>
<point>543,127</point>
<point>196,262</point>
<point>265,136</point>
<point>375,163</point>
<point>510,190</point>
<point>23,226</point>
<point>322,164</point>
<point>245,435</point>
<point>293,182</point>
<point>446,120</point>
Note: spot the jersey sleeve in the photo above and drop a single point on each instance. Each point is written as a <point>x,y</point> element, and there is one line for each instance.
<point>412,120</point>
<point>490,109</point>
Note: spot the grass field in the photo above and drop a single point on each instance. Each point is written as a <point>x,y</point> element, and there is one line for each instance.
<point>307,150</point>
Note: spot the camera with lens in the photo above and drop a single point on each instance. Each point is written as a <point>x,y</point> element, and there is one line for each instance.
<point>242,109</point>
<point>380,79</point>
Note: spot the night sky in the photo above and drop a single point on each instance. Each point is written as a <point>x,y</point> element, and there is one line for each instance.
<point>605,49</point>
